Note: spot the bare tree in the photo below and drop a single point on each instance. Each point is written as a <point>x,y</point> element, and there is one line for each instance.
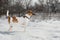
<point>3,6</point>
<point>26,3</point>
<point>41,1</point>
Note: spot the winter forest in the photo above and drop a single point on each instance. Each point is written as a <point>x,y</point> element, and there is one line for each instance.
<point>29,19</point>
<point>48,9</point>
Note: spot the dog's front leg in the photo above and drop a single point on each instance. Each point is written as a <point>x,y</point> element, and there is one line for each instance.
<point>24,26</point>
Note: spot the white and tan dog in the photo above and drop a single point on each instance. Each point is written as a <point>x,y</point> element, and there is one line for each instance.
<point>19,20</point>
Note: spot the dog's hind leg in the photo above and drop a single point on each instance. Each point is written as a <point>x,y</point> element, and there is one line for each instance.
<point>10,29</point>
<point>24,27</point>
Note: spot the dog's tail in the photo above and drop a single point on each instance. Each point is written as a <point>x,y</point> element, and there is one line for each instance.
<point>8,16</point>
<point>7,13</point>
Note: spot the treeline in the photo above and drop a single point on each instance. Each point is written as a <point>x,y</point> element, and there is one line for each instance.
<point>22,6</point>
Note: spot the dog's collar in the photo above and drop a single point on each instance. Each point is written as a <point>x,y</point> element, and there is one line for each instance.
<point>26,17</point>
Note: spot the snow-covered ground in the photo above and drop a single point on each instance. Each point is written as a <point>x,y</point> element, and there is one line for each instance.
<point>37,30</point>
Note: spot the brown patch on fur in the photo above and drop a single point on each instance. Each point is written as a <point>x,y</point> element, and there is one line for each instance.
<point>9,19</point>
<point>14,19</point>
<point>29,12</point>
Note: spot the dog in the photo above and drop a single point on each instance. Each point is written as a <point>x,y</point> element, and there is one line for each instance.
<point>19,20</point>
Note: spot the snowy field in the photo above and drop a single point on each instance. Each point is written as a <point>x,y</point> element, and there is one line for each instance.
<point>37,30</point>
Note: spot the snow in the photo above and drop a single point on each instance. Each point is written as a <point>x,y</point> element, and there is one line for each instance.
<point>37,30</point>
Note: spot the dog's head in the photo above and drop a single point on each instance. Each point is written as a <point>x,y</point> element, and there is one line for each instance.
<point>30,13</point>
